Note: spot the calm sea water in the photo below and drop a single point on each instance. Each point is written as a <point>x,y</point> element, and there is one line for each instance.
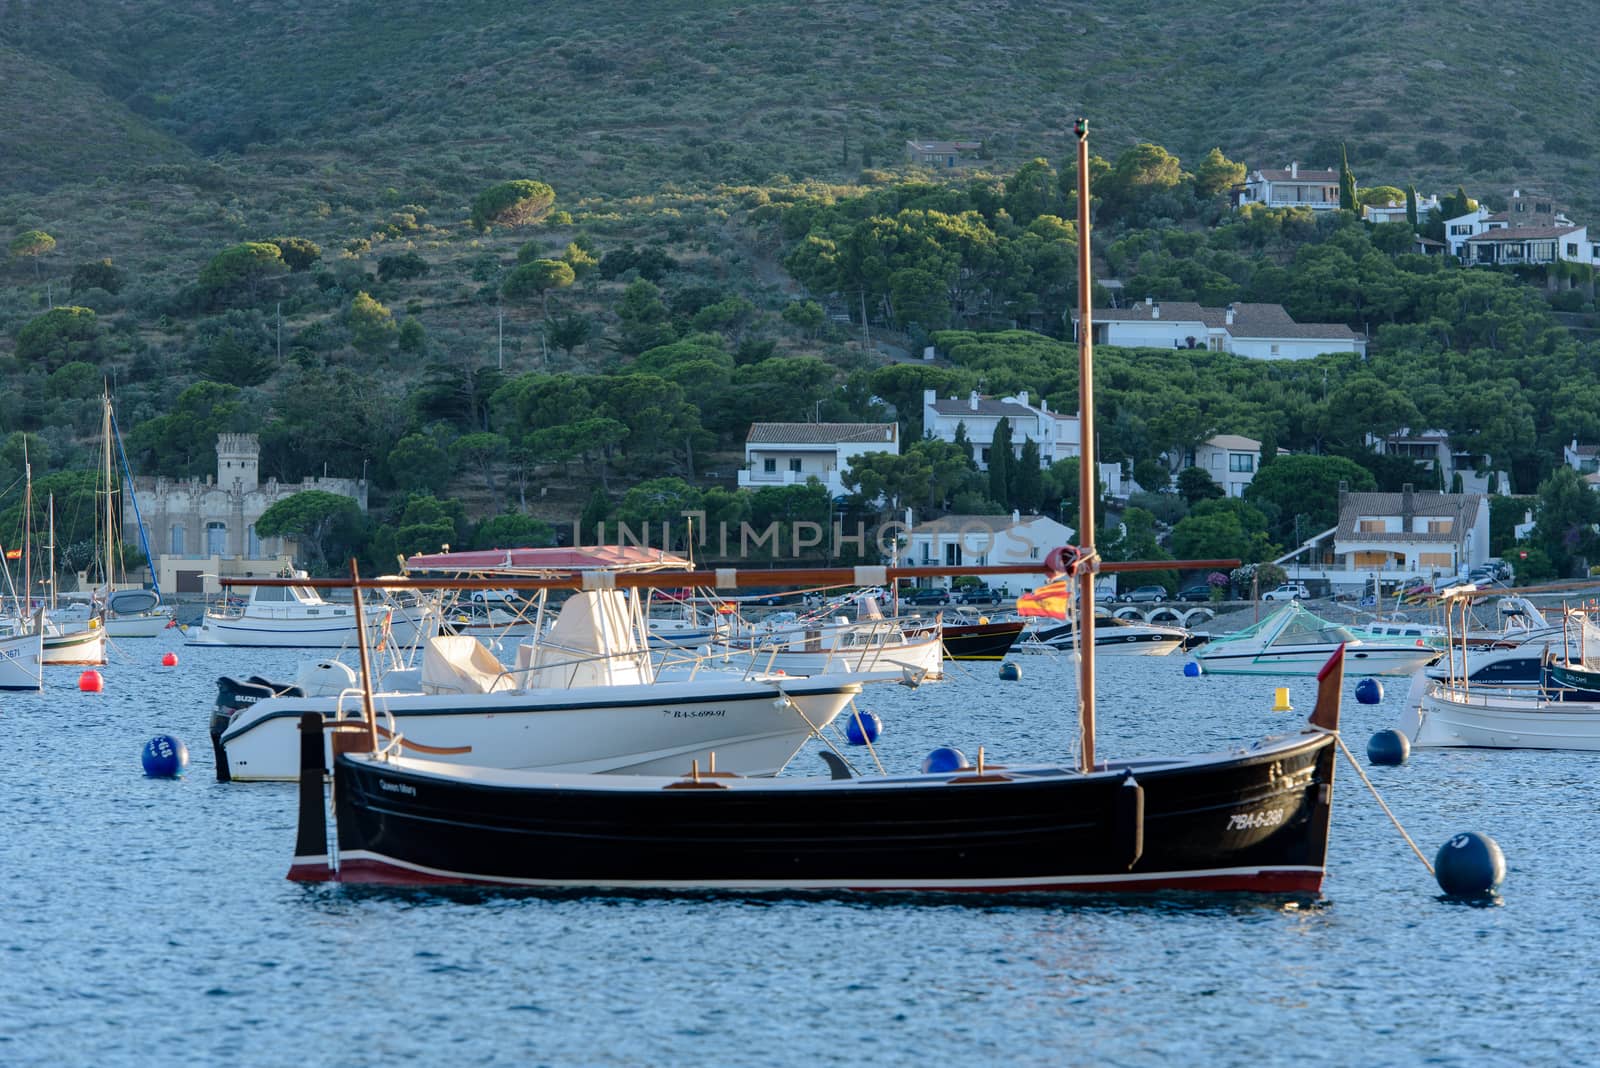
<point>148,920</point>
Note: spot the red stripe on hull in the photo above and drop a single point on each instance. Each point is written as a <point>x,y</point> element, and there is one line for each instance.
<point>379,873</point>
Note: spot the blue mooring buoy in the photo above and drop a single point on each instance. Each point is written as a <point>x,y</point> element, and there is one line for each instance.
<point>1010,672</point>
<point>1191,670</point>
<point>164,757</point>
<point>861,728</point>
<point>945,758</point>
<point>1369,691</point>
<point>1388,748</point>
<point>1470,865</point>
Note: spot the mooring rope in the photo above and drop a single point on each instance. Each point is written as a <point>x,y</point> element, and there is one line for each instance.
<point>1379,798</point>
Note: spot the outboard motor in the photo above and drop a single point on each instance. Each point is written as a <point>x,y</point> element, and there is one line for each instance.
<point>233,696</point>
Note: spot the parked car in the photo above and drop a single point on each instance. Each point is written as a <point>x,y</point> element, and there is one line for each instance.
<point>1201,592</point>
<point>1145,594</point>
<point>1289,591</point>
<point>928,595</point>
<point>978,595</point>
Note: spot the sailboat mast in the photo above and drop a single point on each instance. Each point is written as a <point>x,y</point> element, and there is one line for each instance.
<point>105,435</point>
<point>51,509</point>
<point>1086,462</point>
<point>27,531</point>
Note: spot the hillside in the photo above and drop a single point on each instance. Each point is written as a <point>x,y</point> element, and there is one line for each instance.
<point>624,97</point>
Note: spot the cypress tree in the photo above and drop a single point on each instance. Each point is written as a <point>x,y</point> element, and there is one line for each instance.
<point>1000,463</point>
<point>1411,205</point>
<point>1347,181</point>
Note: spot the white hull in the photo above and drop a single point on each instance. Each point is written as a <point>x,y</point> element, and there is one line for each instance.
<point>82,647</point>
<point>140,626</point>
<point>1446,717</point>
<point>20,658</point>
<point>1360,659</point>
<point>924,657</point>
<point>302,633</point>
<point>647,729</point>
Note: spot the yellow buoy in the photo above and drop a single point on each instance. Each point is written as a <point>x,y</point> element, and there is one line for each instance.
<point>1280,700</point>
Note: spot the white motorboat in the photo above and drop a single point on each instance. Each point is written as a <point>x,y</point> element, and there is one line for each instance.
<point>800,646</point>
<point>296,617</point>
<point>583,698</point>
<point>1121,637</point>
<point>85,647</point>
<point>1296,641</point>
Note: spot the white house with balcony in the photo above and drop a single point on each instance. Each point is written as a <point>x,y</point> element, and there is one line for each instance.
<point>1293,187</point>
<point>1256,331</point>
<point>787,454</point>
<point>1414,534</point>
<point>199,530</point>
<point>1231,460</point>
<point>979,540</point>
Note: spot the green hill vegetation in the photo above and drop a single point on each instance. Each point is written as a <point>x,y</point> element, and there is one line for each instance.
<point>528,258</point>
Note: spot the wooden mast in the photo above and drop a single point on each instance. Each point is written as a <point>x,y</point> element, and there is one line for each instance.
<point>1086,462</point>
<point>27,531</point>
<point>105,433</point>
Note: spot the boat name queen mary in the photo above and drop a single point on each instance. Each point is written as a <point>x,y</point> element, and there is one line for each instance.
<point>694,713</point>
<point>397,787</point>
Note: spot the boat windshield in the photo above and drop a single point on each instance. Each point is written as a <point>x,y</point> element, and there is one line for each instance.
<point>1307,629</point>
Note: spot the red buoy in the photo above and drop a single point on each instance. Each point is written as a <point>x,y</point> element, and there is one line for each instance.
<point>91,682</point>
<point>169,659</point>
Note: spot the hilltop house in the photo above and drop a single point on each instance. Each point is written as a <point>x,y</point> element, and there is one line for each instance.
<point>1230,459</point>
<point>944,155</point>
<point>1295,187</point>
<point>978,540</point>
<point>1395,211</point>
<point>1258,331</point>
<point>1432,449</point>
<point>1532,230</point>
<point>1584,459</point>
<point>787,454</point>
<point>1056,434</point>
<point>200,531</point>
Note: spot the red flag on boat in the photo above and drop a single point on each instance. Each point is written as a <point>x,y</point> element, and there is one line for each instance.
<point>13,554</point>
<point>1049,600</point>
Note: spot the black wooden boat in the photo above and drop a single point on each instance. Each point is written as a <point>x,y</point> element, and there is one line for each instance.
<point>980,641</point>
<point>1253,820</point>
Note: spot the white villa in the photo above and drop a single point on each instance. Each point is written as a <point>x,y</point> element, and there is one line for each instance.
<point>787,454</point>
<point>1056,434</point>
<point>1395,211</point>
<point>1258,331</point>
<point>1531,231</point>
<point>1293,187</point>
<point>199,531</point>
<point>978,540</point>
<point>1396,537</point>
<point>1231,460</point>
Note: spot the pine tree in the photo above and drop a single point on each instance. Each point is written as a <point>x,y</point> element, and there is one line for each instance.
<point>1347,181</point>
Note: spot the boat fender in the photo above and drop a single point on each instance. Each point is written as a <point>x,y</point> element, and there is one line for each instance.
<point>1129,818</point>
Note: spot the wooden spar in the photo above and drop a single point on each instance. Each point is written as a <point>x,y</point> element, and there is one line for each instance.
<point>719,578</point>
<point>1086,462</point>
<point>356,586</point>
<point>105,434</point>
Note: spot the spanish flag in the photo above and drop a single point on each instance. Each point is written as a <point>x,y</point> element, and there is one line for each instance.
<point>13,554</point>
<point>1049,601</point>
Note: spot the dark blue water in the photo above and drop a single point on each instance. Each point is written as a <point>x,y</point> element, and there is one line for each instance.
<point>148,921</point>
